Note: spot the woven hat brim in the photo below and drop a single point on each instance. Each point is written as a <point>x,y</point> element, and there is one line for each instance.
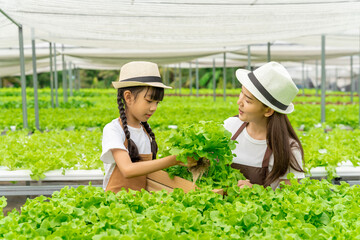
<point>242,76</point>
<point>123,84</point>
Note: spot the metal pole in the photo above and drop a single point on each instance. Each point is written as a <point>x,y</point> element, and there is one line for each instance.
<point>359,79</point>
<point>336,78</point>
<point>303,78</point>
<point>22,69</point>
<point>323,78</point>
<point>74,77</point>
<point>214,80</point>
<point>70,79</point>
<point>190,76</point>
<point>79,80</point>
<point>316,78</point>
<point>56,78</point>
<point>167,76</point>
<point>51,77</point>
<point>176,73</point>
<point>233,77</point>
<point>249,58</point>
<point>180,78</point>
<point>307,77</point>
<point>64,75</point>
<point>197,78</point>
<point>224,76</point>
<point>23,80</point>
<point>1,83</point>
<point>351,80</point>
<point>35,80</point>
<point>268,52</point>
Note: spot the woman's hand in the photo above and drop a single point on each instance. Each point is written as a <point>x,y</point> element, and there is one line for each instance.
<point>243,183</point>
<point>191,162</point>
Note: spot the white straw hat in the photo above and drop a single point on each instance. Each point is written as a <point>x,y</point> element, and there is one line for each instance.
<point>272,85</point>
<point>139,73</point>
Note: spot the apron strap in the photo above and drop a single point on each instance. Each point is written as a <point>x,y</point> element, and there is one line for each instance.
<point>241,128</point>
<point>268,152</point>
<point>126,141</point>
<point>266,159</point>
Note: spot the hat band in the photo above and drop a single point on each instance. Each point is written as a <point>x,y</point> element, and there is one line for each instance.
<point>143,79</point>
<point>265,93</point>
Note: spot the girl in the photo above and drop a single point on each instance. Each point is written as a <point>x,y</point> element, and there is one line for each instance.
<point>128,142</point>
<point>268,148</point>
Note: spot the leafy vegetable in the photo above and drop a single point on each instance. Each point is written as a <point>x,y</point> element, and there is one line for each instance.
<point>210,144</point>
<point>308,210</point>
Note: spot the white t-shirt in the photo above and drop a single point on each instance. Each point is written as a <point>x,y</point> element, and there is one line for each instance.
<point>114,138</point>
<point>250,151</point>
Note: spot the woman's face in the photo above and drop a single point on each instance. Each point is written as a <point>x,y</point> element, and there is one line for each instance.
<point>250,109</point>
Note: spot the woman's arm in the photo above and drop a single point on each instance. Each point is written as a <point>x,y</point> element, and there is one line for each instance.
<point>130,169</point>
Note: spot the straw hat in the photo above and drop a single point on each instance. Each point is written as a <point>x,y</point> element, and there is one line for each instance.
<point>272,85</point>
<point>138,73</point>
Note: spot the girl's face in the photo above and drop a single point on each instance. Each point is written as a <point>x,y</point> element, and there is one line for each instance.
<point>141,107</point>
<point>251,109</point>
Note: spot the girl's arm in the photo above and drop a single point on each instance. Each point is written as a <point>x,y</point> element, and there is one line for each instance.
<point>130,169</point>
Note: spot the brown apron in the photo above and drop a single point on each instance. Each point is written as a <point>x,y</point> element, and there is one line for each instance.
<point>118,181</point>
<point>256,175</point>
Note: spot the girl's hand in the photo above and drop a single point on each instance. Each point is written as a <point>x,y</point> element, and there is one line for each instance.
<point>191,162</point>
<point>243,183</point>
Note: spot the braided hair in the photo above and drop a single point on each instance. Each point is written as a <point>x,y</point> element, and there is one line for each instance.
<point>156,94</point>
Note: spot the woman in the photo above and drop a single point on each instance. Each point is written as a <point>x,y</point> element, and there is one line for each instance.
<point>268,147</point>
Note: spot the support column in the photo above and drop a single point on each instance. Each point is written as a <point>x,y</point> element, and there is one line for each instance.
<point>197,78</point>
<point>249,58</point>
<point>359,79</point>
<point>56,78</point>
<point>233,77</point>
<point>316,78</point>
<point>78,78</point>
<point>214,80</point>
<point>22,69</point>
<point>167,76</point>
<point>180,78</point>
<point>51,77</point>
<point>35,80</point>
<point>268,52</point>
<point>64,75</point>
<point>70,79</point>
<point>307,78</point>
<point>23,80</point>
<point>336,79</point>
<point>190,76</point>
<point>351,80</point>
<point>224,76</point>
<point>303,78</point>
<point>323,78</point>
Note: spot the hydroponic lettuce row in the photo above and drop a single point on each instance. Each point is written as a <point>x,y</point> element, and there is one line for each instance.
<point>101,108</point>
<point>81,148</point>
<point>46,151</point>
<point>306,210</point>
<point>40,152</point>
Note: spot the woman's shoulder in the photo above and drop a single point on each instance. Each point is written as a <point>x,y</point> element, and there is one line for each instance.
<point>232,122</point>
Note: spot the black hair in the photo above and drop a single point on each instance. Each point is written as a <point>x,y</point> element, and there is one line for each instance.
<point>279,131</point>
<point>157,94</point>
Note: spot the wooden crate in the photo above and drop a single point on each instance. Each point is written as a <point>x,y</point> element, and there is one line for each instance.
<point>159,180</point>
